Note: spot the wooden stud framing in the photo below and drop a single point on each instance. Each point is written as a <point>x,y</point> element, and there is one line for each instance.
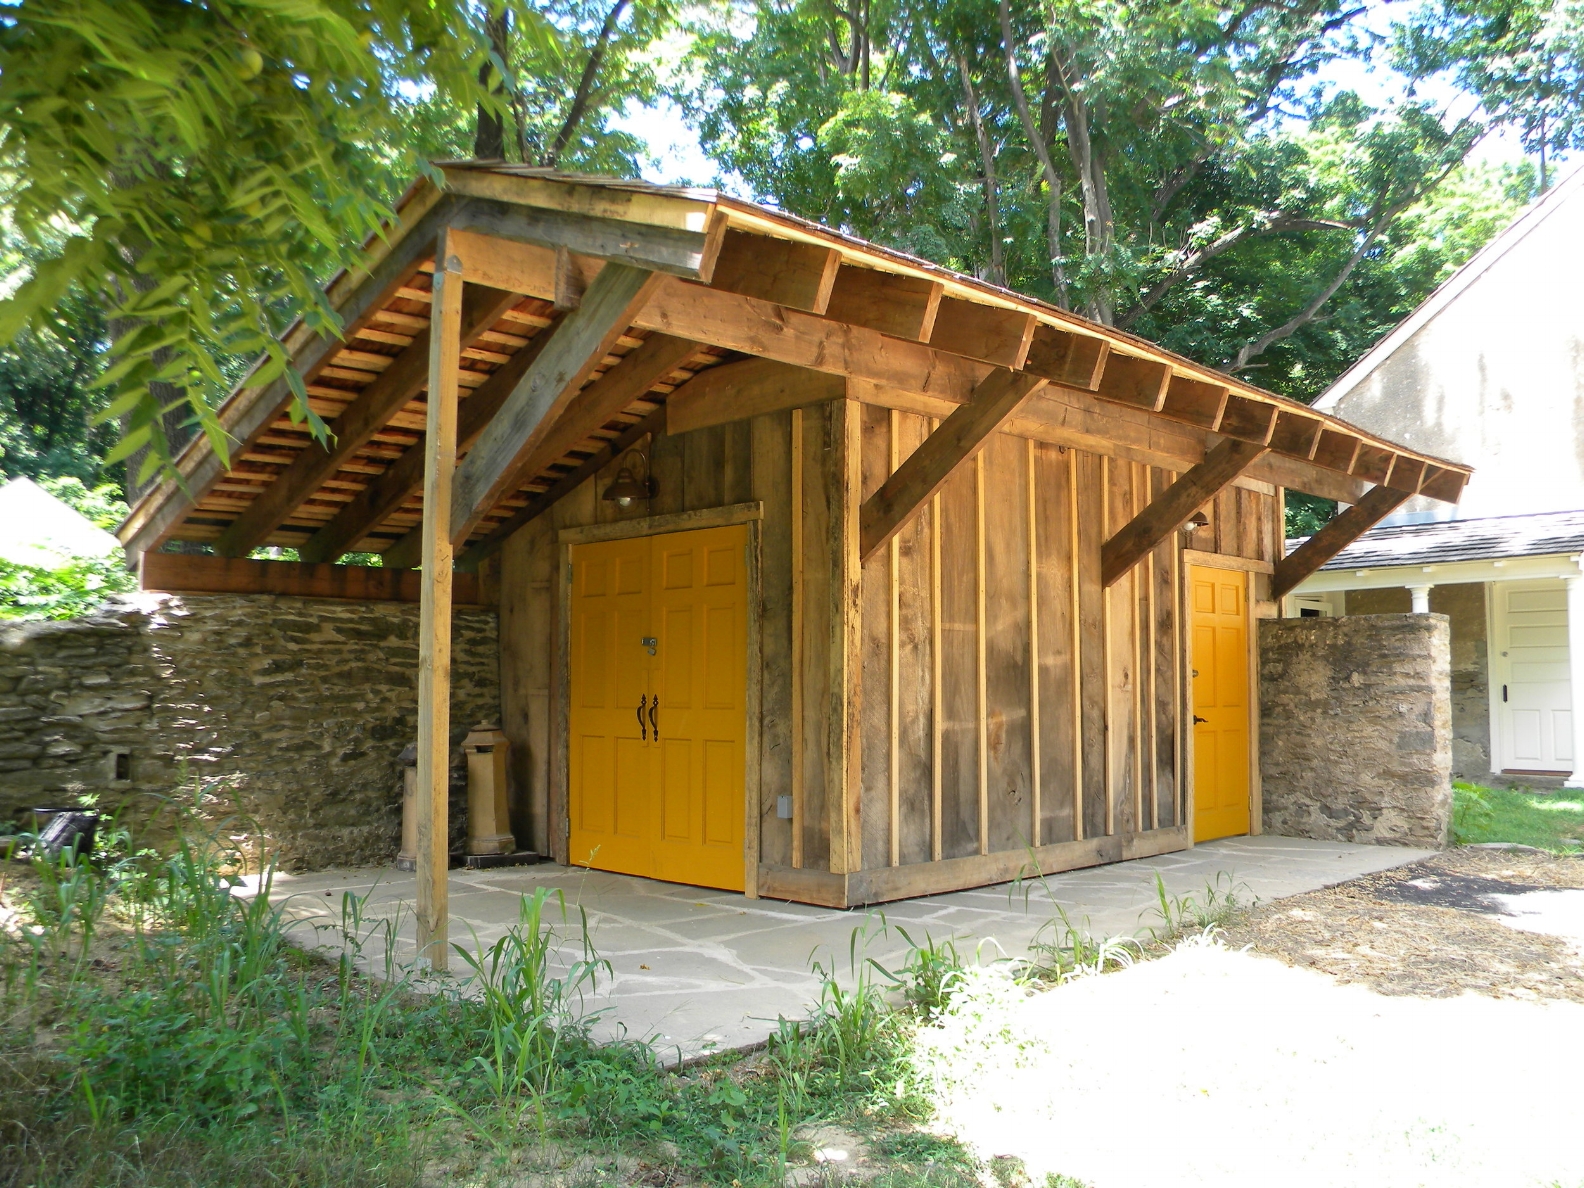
<point>1077,650</point>
<point>981,703</point>
<point>935,672</point>
<point>434,626</point>
<point>894,639</point>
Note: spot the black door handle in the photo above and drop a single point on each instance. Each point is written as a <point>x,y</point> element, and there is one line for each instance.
<point>1198,719</point>
<point>654,722</point>
<point>643,734</point>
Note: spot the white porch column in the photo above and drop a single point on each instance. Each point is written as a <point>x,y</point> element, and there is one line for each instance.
<point>1421,599</point>
<point>1575,613</point>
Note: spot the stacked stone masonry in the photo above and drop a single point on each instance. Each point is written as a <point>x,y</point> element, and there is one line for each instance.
<point>1356,728</point>
<point>289,712</point>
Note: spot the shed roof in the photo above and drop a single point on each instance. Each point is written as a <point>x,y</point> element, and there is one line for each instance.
<point>739,283</point>
<point>1491,539</point>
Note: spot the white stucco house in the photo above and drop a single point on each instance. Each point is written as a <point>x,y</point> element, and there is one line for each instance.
<point>1489,371</point>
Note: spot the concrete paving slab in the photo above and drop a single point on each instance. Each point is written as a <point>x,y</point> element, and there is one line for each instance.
<point>695,971</point>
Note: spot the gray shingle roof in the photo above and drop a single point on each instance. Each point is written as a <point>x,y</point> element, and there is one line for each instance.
<point>1488,539</point>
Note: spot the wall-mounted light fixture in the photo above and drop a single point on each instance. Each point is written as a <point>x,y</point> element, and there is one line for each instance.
<point>626,486</point>
<point>1197,521</point>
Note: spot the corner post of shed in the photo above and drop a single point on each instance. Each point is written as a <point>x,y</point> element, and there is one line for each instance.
<point>434,621</point>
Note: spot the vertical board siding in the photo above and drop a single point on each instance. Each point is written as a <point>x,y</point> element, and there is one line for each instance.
<point>1026,635</point>
<point>989,660</point>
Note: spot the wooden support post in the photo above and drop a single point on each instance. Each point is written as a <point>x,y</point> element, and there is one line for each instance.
<point>1171,511</point>
<point>434,620</point>
<point>1334,537</point>
<point>959,439</point>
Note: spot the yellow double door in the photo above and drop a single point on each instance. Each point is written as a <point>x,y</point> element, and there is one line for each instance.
<point>658,688</point>
<point>1218,609</point>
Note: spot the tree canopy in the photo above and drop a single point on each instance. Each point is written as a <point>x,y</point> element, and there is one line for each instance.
<point>181,178</point>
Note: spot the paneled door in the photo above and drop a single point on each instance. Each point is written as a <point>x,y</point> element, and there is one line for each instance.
<point>1531,687</point>
<point>659,706</point>
<point>1218,611</point>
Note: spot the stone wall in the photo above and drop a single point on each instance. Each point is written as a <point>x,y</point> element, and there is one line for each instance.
<point>290,711</point>
<point>1464,605</point>
<point>1356,728</point>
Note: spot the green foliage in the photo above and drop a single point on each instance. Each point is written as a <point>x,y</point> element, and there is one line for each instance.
<point>48,398</point>
<point>1547,820</point>
<point>71,590</point>
<point>197,170</point>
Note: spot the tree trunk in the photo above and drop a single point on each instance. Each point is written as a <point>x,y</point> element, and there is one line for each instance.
<point>489,136</point>
<point>1036,138</point>
<point>997,270</point>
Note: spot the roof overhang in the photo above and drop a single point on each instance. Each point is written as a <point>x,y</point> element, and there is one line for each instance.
<point>731,281</point>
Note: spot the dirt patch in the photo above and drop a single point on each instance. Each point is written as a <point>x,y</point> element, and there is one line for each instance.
<point>1450,924</point>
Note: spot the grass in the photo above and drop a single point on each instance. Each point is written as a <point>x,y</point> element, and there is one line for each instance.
<point>158,1029</point>
<point>1546,820</point>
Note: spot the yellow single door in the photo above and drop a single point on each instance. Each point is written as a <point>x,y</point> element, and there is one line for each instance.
<point>658,706</point>
<point>1219,616</point>
<point>700,612</point>
<point>610,761</point>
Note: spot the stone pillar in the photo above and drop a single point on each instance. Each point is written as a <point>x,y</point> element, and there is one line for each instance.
<point>1575,612</point>
<point>1421,599</point>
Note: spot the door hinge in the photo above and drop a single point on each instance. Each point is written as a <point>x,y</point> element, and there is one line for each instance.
<point>569,572</point>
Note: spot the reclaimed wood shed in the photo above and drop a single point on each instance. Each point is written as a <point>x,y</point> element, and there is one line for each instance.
<point>823,573</point>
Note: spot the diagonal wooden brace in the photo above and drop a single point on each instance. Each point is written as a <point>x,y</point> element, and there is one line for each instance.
<point>1291,570</point>
<point>1171,510</point>
<point>958,439</point>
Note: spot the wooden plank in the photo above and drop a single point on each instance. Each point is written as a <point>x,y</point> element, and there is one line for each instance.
<point>915,663</point>
<point>354,427</point>
<point>846,640</point>
<point>1195,402</point>
<point>1171,511</point>
<point>1009,628</point>
<point>1248,420</point>
<point>190,573</point>
<point>799,812</point>
<point>747,388</point>
<point>537,506</point>
<point>798,275</point>
<point>894,659</point>
<point>387,492</point>
<point>989,332</point>
<point>877,815</point>
<point>585,336</point>
<point>900,306</point>
<point>936,720</point>
<point>771,466</point>
<point>1075,360</point>
<point>627,204</point>
<point>825,344</point>
<point>1128,379</point>
<point>1094,672</point>
<point>819,887</point>
<point>1334,537</point>
<point>1031,492</point>
<point>632,245</point>
<point>981,704</point>
<point>1226,561</point>
<point>546,272</point>
<point>958,440</point>
<point>434,617</point>
<point>959,665</point>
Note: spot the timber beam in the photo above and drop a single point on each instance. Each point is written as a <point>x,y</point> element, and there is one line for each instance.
<point>386,493</point>
<point>1170,511</point>
<point>958,439</point>
<point>651,426</point>
<point>481,308</point>
<point>494,466</point>
<point>588,412</point>
<point>744,389</point>
<point>1353,523</point>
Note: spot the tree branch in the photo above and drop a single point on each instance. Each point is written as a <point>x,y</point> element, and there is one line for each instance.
<point>585,87</point>
<point>1041,150</point>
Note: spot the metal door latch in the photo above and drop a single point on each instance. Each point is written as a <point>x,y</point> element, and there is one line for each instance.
<point>649,643</point>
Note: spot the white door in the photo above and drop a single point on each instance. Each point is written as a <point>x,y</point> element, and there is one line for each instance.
<point>1530,686</point>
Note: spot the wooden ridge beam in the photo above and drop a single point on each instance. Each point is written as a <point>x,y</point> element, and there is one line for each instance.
<point>957,440</point>
<point>652,425</point>
<point>1353,523</point>
<point>744,389</point>
<point>403,379</point>
<point>597,404</point>
<point>1171,509</point>
<point>388,491</point>
<point>584,337</point>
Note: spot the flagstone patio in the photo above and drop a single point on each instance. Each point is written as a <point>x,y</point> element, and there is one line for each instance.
<point>695,970</point>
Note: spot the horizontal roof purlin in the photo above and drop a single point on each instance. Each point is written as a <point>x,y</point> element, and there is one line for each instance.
<point>677,220</point>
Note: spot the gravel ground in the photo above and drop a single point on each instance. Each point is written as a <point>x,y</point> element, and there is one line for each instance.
<point>1417,1027</point>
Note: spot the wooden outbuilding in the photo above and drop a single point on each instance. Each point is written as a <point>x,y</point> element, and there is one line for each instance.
<point>823,573</point>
